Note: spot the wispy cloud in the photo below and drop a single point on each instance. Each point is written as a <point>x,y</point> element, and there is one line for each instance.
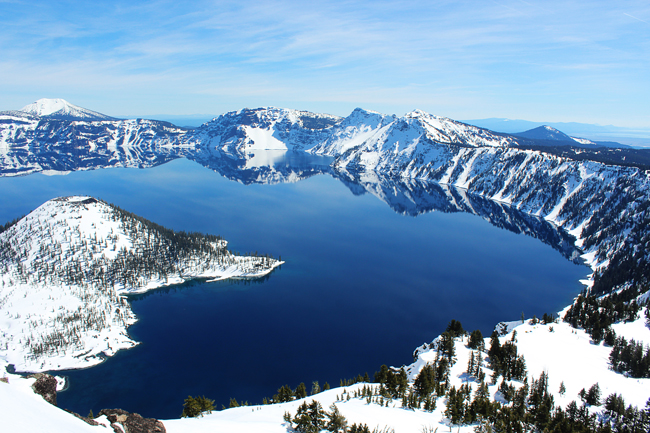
<point>636,18</point>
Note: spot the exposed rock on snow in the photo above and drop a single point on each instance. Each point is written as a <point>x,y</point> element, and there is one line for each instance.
<point>132,422</point>
<point>45,386</point>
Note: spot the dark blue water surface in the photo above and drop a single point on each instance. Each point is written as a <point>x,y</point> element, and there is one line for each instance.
<point>362,285</point>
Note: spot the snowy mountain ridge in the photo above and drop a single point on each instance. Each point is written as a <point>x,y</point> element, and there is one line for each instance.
<point>273,128</point>
<point>567,191</point>
<point>84,144</point>
<point>66,266</point>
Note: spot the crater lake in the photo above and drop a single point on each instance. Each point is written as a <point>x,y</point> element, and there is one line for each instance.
<point>374,268</point>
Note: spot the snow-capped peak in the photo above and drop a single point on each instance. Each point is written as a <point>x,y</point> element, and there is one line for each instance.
<point>545,132</point>
<point>60,108</point>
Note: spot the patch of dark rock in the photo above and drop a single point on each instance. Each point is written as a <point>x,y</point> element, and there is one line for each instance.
<point>123,421</point>
<point>45,386</point>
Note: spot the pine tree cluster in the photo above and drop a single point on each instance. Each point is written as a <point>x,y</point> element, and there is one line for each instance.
<point>596,315</point>
<point>197,406</point>
<point>504,360</point>
<point>631,358</point>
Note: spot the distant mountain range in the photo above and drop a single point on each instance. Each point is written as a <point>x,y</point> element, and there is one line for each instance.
<point>599,194</point>
<point>599,133</point>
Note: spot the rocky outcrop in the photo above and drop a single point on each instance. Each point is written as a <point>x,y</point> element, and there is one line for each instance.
<point>45,386</point>
<point>125,422</point>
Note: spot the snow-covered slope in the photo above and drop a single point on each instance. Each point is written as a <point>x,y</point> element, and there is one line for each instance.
<point>604,206</point>
<point>62,109</point>
<point>239,133</point>
<point>24,411</point>
<point>65,266</point>
<point>566,355</point>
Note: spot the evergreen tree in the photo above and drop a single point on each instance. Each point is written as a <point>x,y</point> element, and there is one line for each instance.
<point>425,382</point>
<point>446,347</point>
<point>301,391</point>
<point>476,341</point>
<point>361,428</point>
<point>455,329</point>
<point>310,417</point>
<point>336,421</point>
<point>402,383</point>
<point>284,394</point>
<point>615,406</point>
<point>315,388</point>
<point>195,406</point>
<point>592,397</point>
<point>382,375</point>
<point>540,403</point>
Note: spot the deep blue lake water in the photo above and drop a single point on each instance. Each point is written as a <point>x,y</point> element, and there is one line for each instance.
<point>362,285</point>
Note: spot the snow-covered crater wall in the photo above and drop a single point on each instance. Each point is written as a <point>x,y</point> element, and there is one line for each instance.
<point>604,206</point>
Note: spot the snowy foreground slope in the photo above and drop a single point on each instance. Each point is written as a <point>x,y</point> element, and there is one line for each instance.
<point>65,267</point>
<point>565,354</point>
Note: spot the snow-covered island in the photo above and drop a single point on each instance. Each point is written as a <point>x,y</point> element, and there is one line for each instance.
<point>65,268</point>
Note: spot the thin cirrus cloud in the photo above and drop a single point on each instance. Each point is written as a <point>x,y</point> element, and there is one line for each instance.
<point>308,55</point>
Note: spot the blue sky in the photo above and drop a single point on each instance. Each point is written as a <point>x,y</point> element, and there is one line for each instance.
<point>583,61</point>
